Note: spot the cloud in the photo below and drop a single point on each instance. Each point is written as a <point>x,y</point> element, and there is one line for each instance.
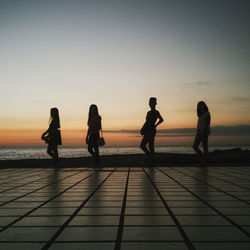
<point>200,83</point>
<point>180,132</point>
<point>125,131</point>
<point>231,130</point>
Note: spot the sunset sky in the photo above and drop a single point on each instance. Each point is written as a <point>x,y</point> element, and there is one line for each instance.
<point>116,54</point>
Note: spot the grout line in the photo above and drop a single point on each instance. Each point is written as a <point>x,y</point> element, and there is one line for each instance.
<point>38,189</point>
<point>34,209</point>
<point>122,216</point>
<point>188,242</point>
<point>65,224</point>
<point>26,177</point>
<point>128,241</point>
<point>214,187</point>
<point>210,206</point>
<point>236,177</point>
<point>22,185</point>
<point>219,178</point>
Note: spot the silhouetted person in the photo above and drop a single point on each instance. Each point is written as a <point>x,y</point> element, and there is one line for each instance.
<point>93,134</point>
<point>203,131</point>
<point>148,130</point>
<point>53,135</point>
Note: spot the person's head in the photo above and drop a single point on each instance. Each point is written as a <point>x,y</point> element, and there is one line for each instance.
<point>54,115</point>
<point>152,102</point>
<point>93,110</point>
<point>201,108</point>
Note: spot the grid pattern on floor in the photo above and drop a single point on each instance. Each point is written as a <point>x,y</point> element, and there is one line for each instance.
<point>125,208</point>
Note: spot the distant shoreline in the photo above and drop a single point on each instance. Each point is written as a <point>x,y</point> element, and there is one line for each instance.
<point>217,157</point>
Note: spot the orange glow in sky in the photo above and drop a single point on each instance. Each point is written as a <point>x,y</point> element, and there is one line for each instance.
<point>77,138</point>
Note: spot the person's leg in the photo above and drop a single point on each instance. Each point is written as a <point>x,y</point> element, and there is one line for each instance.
<point>205,148</point>
<point>49,150</point>
<point>144,142</point>
<point>91,145</point>
<point>96,148</point>
<point>197,141</point>
<point>151,145</point>
<point>205,144</point>
<point>55,154</point>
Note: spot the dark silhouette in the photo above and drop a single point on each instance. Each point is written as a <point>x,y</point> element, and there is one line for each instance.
<point>148,130</point>
<point>52,136</point>
<point>203,131</point>
<point>93,134</point>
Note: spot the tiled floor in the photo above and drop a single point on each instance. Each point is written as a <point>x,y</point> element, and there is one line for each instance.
<point>125,208</point>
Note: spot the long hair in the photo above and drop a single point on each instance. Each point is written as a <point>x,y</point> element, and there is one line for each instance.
<point>54,116</point>
<point>201,108</point>
<point>93,111</point>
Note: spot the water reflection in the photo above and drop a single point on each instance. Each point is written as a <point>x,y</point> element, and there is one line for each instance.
<point>94,204</point>
<point>55,207</point>
<point>149,195</point>
<point>203,191</point>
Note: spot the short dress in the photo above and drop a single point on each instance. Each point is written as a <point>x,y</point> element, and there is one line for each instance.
<point>203,124</point>
<point>54,134</point>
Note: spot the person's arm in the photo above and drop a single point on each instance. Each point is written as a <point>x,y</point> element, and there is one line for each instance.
<point>49,130</point>
<point>87,136</point>
<point>46,132</point>
<point>207,123</point>
<point>53,126</point>
<point>160,119</point>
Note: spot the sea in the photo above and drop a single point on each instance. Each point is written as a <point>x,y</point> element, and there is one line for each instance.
<point>39,152</point>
